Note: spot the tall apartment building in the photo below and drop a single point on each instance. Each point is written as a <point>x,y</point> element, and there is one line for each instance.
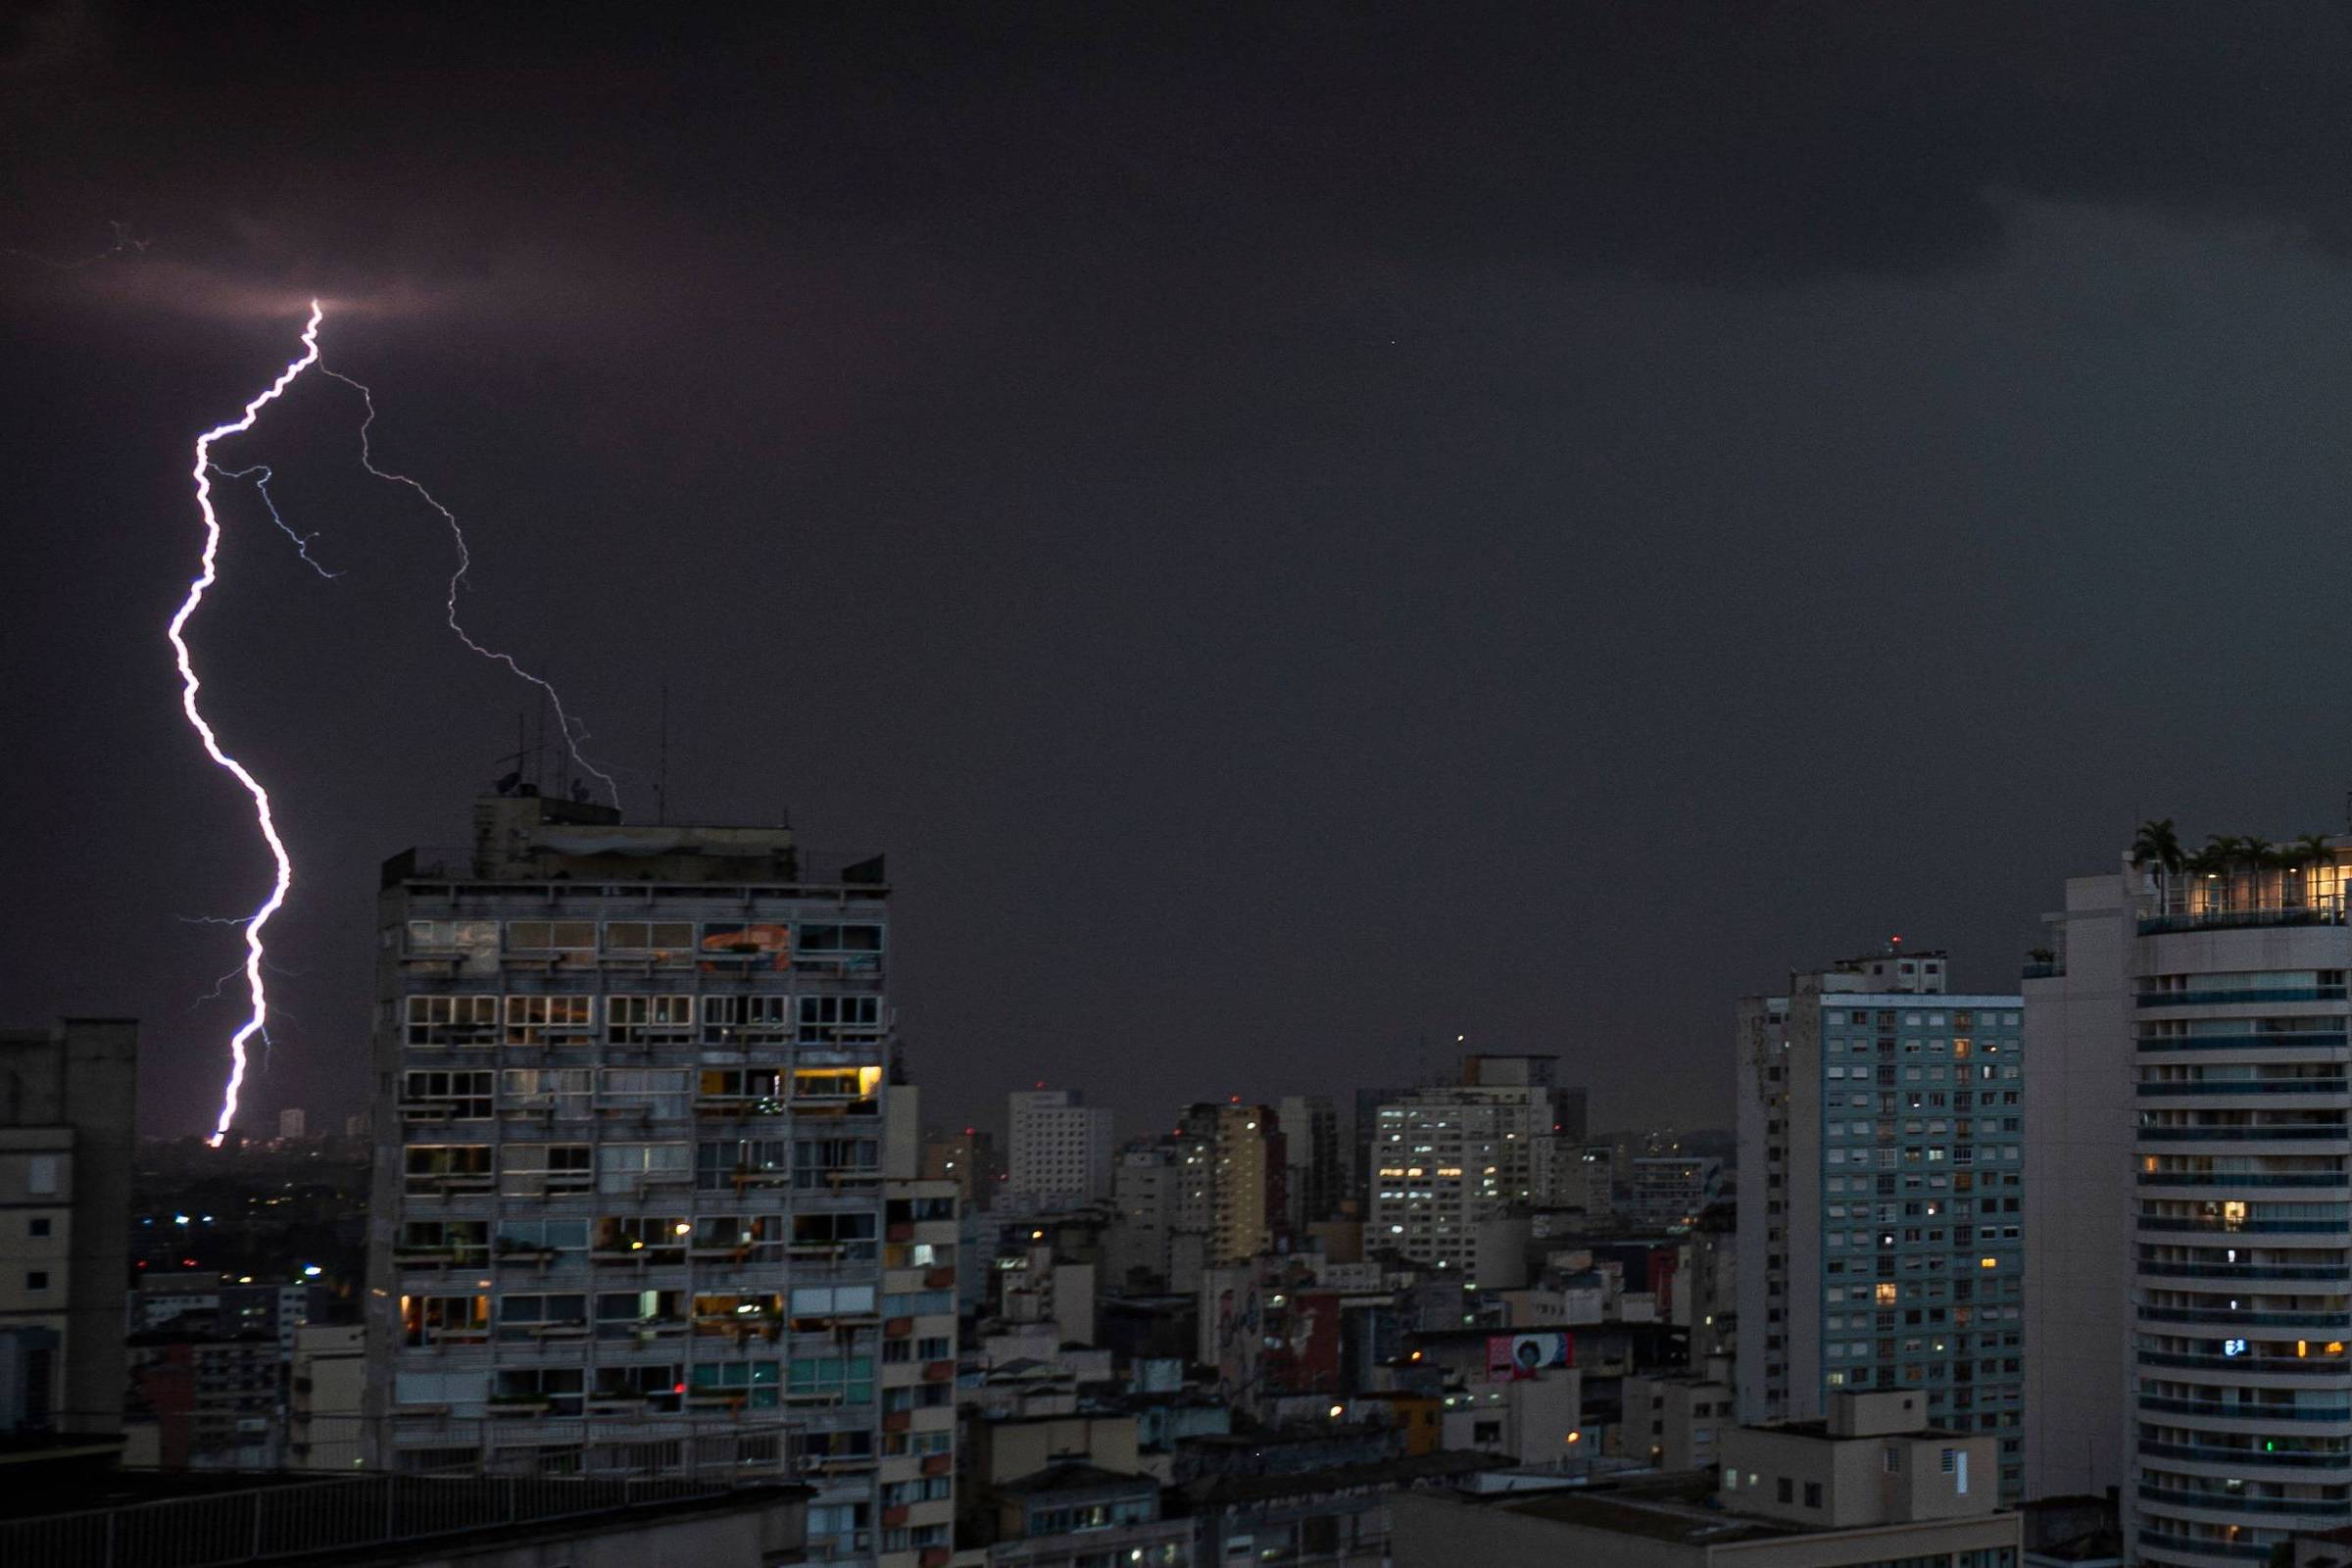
<point>629,1207</point>
<point>2202,1015</point>
<point>1445,1158</point>
<point>67,1098</point>
<point>1061,1147</point>
<point>1669,1191</point>
<point>2081,1202</point>
<point>1247,1176</point>
<point>1164,1193</point>
<point>1315,1174</point>
<point>1882,1198</point>
<point>969,1159</point>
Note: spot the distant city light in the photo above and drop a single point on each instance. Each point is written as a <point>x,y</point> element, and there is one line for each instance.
<point>311,1271</point>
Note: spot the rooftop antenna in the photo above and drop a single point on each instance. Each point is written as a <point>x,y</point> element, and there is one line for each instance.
<point>661,784</point>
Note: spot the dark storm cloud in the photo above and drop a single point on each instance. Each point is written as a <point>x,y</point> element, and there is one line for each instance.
<point>1724,143</point>
<point>1300,527</point>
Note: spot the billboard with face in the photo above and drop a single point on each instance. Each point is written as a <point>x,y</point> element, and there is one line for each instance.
<point>1511,1358</point>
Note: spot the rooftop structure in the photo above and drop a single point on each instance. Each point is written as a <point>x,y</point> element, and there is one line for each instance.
<point>1865,1487</point>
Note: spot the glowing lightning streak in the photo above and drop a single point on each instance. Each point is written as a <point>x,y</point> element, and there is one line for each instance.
<point>259,1019</point>
<point>572,737</point>
<point>261,484</point>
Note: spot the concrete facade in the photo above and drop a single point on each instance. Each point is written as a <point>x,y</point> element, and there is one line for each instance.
<point>2078,1199</point>
<point>68,1095</point>
<point>1060,1148</point>
<point>632,1116</point>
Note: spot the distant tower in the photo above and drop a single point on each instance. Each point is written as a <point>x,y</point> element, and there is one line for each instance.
<point>290,1123</point>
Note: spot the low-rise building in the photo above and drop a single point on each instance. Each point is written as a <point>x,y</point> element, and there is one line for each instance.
<point>1676,1422</point>
<point>1866,1486</point>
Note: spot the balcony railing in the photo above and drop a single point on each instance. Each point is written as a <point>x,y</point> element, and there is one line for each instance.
<point>2229,999</point>
<point>2233,1178</point>
<point>2236,1271</point>
<point>2227,1502</point>
<point>2208,1454</point>
<point>2243,1134</point>
<point>2264,1040</point>
<point>2225,1410</point>
<point>2247,1086</point>
<point>2244,896</point>
<point>2319,1319</point>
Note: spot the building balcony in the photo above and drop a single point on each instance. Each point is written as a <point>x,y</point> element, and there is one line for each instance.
<point>2253,1416</point>
<point>2243,1086</point>
<point>2237,1271</point>
<point>2314,1367</point>
<point>2225,1507</point>
<point>2264,1039</point>
<point>2197,1554</point>
<point>2322,1230</point>
<point>2286,1133</point>
<point>2324,1322</point>
<point>2236,999</point>
<point>2152,923</point>
<point>2241,1178</point>
<point>2234,1459</point>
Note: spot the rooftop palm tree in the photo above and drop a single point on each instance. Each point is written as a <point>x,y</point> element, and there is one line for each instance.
<point>2305,858</point>
<point>2158,845</point>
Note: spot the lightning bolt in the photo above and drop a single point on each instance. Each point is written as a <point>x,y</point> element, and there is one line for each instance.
<point>258,1021</point>
<point>575,732</point>
<point>260,476</point>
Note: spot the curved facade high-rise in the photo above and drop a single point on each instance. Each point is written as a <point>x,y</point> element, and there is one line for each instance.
<point>2209,1010</point>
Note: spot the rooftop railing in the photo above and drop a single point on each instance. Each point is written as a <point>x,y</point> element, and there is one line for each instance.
<point>345,1513</point>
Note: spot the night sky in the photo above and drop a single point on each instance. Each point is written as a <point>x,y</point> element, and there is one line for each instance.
<point>1302,535</point>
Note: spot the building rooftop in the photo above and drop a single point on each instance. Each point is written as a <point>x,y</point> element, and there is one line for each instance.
<point>1677,1508</point>
<point>1076,1477</point>
<point>1446,1465</point>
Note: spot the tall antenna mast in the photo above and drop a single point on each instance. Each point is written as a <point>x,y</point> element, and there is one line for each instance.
<point>661,784</point>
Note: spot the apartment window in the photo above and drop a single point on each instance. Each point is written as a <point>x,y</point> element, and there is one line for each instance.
<point>37,1226</point>
<point>657,939</point>
<point>536,1170</point>
<point>36,1279</point>
<point>824,1019</point>
<point>40,1175</point>
<point>549,1020</point>
<point>840,938</point>
<point>1785,1490</point>
<point>638,1020</point>
<point>433,1168</point>
<point>564,1093</point>
<point>472,945</point>
<point>551,936</point>
<point>446,1095</point>
<point>1892,1458</point>
<point>1812,1494</point>
<point>445,1021</point>
<point>749,1021</point>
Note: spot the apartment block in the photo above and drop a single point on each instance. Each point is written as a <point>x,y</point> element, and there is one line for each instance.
<point>629,1207</point>
<point>2202,1145</point>
<point>1882,1198</point>
<point>1061,1147</point>
<point>1446,1159</point>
